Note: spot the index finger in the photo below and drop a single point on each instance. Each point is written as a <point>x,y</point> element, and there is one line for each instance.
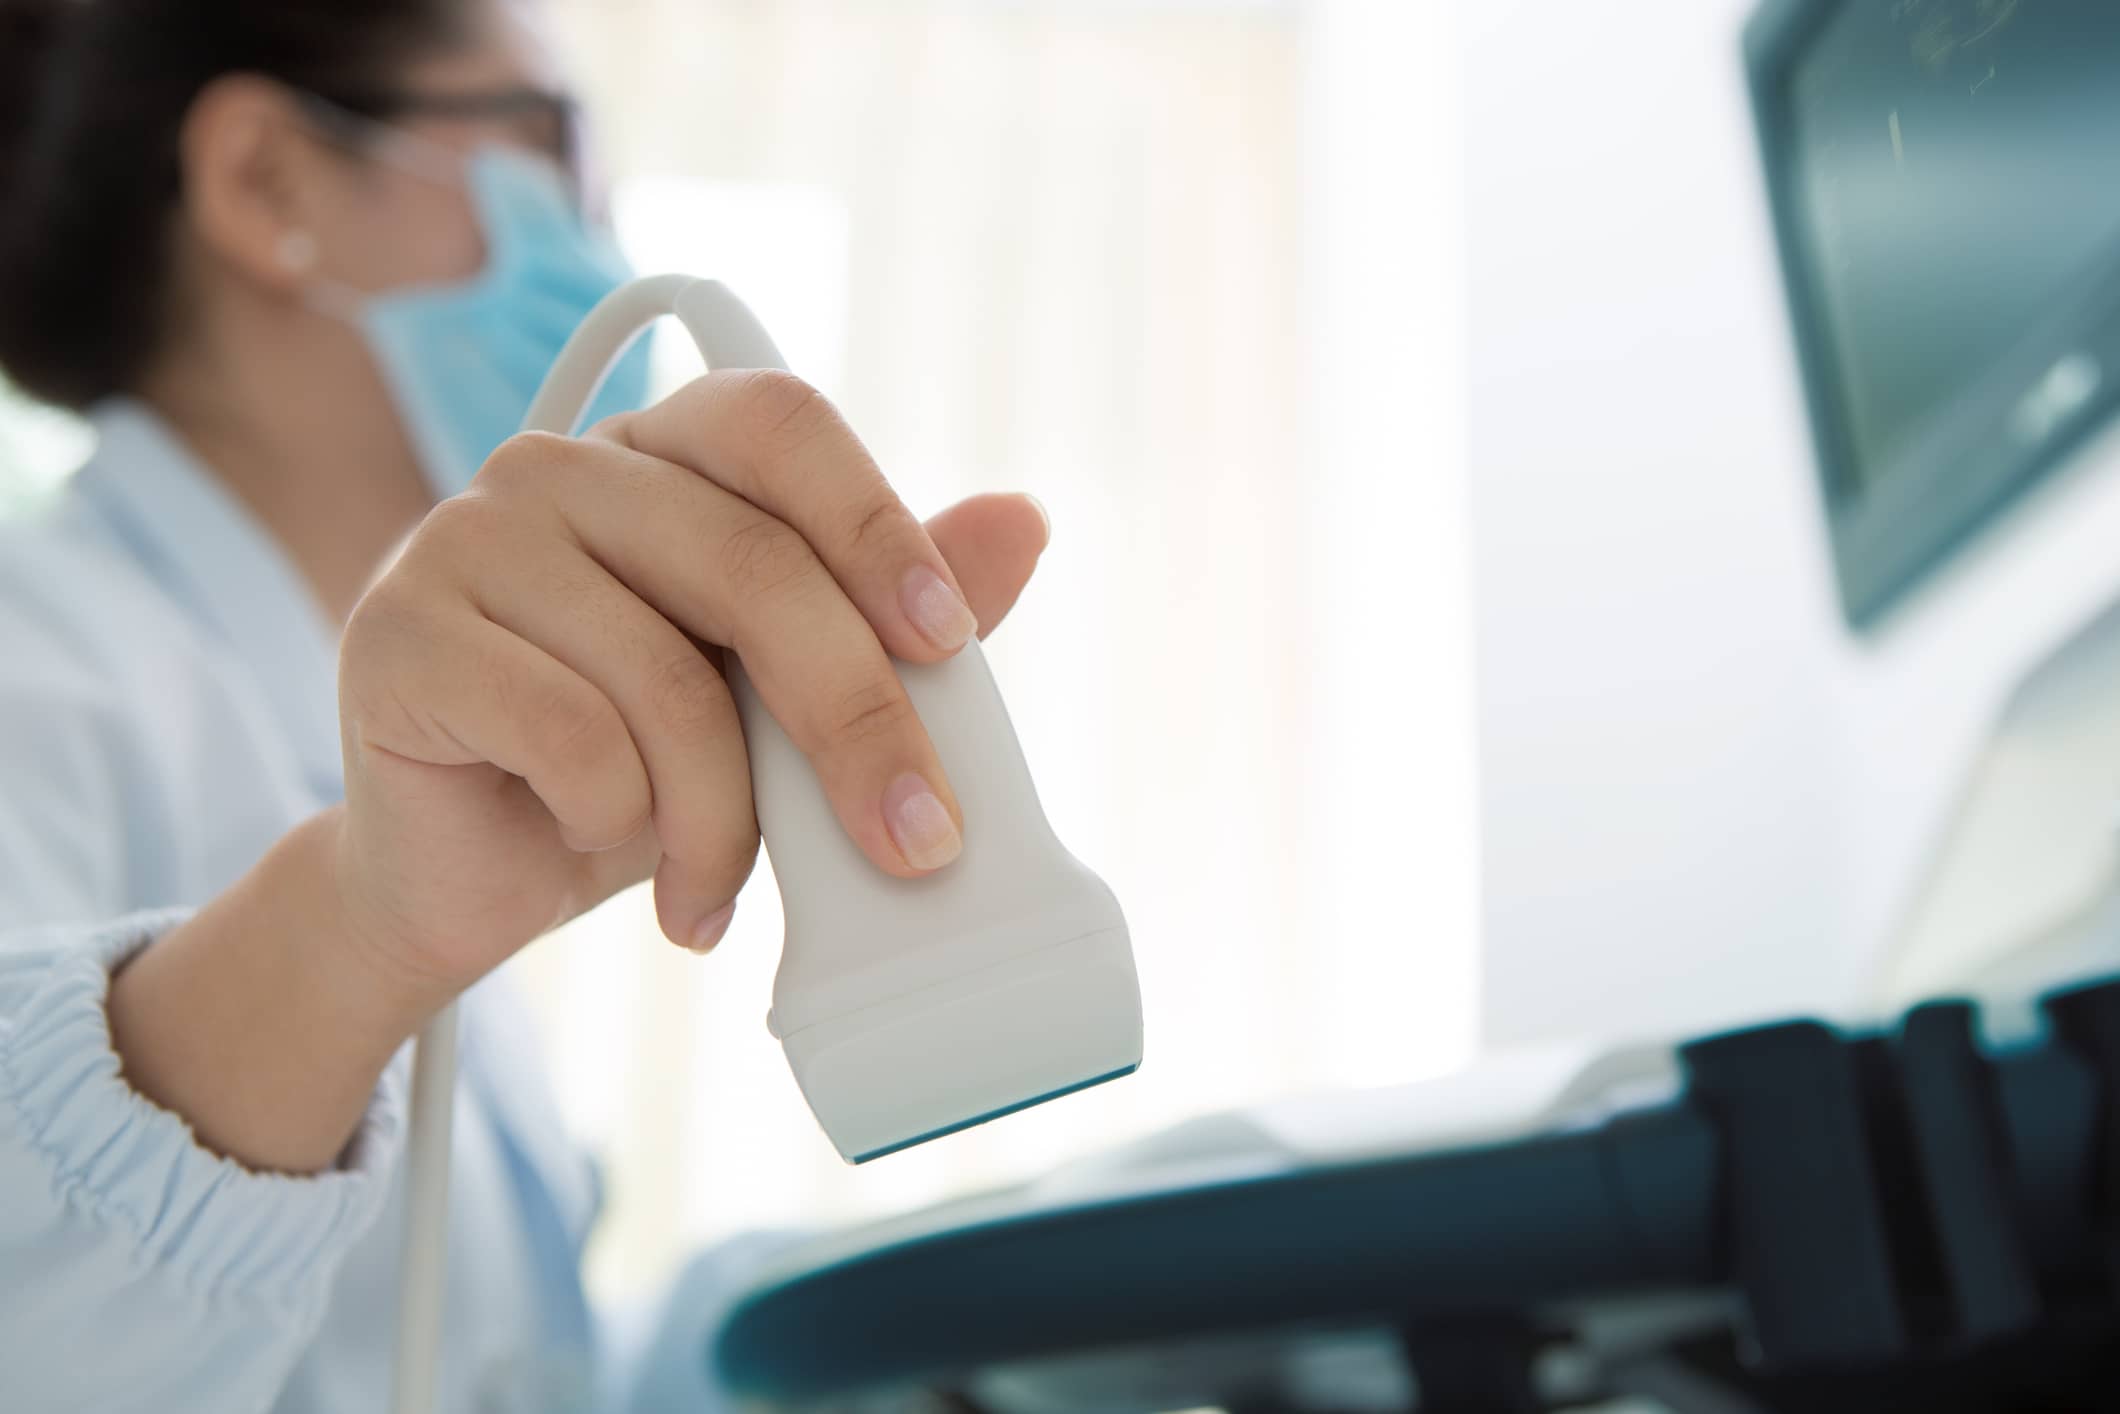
<point>769,437</point>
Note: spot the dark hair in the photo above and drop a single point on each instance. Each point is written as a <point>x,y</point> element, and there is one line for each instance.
<point>93,94</point>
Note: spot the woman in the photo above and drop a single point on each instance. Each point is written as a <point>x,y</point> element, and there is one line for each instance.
<point>262,813</point>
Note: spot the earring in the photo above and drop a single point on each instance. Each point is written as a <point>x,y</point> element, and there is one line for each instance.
<point>297,252</point>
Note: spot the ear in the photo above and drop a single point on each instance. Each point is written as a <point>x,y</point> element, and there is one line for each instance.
<point>253,177</point>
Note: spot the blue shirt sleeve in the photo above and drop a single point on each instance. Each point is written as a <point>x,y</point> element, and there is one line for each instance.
<point>166,712</point>
<point>144,1272</point>
<point>141,1271</point>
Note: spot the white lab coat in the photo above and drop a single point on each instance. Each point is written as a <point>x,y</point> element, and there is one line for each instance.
<point>168,709</point>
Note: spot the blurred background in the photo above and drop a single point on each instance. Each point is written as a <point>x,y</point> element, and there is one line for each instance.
<point>1438,647</point>
<point>1190,271</point>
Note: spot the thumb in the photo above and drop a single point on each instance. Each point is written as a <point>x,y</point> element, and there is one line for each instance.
<point>992,544</point>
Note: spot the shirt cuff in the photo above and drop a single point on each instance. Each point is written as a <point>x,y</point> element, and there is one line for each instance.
<point>122,1163</point>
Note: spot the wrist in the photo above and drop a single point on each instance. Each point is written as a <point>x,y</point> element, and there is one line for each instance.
<point>266,1020</point>
<point>367,951</point>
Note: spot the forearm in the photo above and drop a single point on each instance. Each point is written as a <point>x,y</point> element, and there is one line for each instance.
<point>264,1022</point>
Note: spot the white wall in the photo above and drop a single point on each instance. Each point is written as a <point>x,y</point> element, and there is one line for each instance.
<point>1703,800</point>
<point>1392,880</point>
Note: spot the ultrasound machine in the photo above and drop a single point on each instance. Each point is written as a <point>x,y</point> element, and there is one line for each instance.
<point>1918,1211</point>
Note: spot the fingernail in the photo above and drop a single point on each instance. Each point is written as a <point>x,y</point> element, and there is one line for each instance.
<point>943,618</point>
<point>711,927</point>
<point>919,823</point>
<point>1043,514</point>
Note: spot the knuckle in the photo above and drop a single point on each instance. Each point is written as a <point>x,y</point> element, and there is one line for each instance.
<point>390,615</point>
<point>469,519</point>
<point>524,460</point>
<point>764,556</point>
<point>388,654</point>
<point>870,712</point>
<point>777,410</point>
<point>878,520</point>
<point>717,841</point>
<point>373,616</point>
<point>686,694</point>
<point>730,857</point>
<point>567,726</point>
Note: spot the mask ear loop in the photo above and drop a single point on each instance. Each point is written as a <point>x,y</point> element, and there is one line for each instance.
<point>416,156</point>
<point>297,252</point>
<point>297,255</point>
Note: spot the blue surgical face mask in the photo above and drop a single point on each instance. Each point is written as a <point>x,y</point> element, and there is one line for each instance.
<point>463,360</point>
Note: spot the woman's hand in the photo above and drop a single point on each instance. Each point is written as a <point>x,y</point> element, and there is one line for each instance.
<point>534,717</point>
<point>532,702</point>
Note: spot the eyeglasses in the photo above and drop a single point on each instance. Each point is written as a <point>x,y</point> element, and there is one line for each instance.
<point>545,121</point>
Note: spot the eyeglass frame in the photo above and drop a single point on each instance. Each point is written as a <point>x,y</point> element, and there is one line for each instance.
<point>352,113</point>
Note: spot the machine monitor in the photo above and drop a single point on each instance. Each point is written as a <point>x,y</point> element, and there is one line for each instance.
<point>1945,183</point>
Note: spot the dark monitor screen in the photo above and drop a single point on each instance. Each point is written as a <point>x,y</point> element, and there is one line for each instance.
<point>1945,176</point>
